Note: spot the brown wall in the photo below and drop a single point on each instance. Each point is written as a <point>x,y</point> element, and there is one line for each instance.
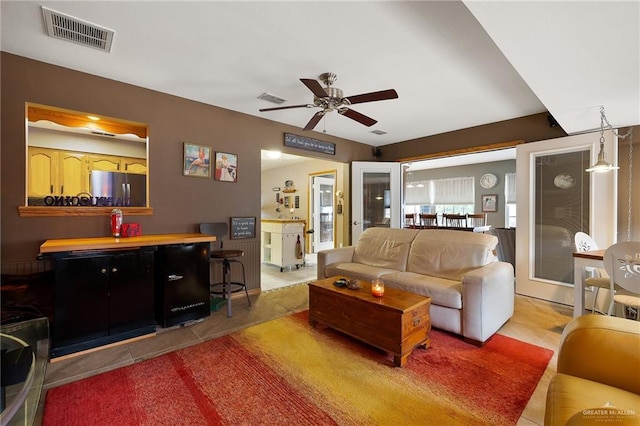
<point>529,129</point>
<point>179,202</point>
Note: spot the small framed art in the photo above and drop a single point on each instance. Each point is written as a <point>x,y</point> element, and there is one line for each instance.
<point>196,160</point>
<point>243,227</point>
<point>226,167</point>
<point>490,203</point>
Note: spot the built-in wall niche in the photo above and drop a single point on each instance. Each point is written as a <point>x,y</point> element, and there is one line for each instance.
<point>83,164</point>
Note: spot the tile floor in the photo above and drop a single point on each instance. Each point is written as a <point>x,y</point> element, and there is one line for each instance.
<point>271,277</point>
<point>535,321</point>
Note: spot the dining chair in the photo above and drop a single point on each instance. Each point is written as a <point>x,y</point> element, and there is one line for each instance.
<point>428,220</point>
<point>598,277</point>
<point>225,257</point>
<point>410,220</point>
<point>455,220</point>
<point>622,262</point>
<point>476,219</point>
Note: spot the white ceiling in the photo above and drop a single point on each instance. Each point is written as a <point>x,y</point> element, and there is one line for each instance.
<point>454,64</point>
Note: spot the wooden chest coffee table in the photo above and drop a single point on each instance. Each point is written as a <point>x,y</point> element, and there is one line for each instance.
<point>397,323</point>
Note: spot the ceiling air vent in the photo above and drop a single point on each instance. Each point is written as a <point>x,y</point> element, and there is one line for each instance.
<point>77,31</point>
<point>379,132</point>
<point>271,98</point>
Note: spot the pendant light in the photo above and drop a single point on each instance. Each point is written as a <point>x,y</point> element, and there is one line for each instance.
<point>602,165</point>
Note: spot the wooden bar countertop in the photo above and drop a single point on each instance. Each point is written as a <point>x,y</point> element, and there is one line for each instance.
<point>100,243</point>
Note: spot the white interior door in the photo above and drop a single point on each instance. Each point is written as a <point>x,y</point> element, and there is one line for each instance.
<point>323,213</point>
<point>555,199</point>
<point>375,196</point>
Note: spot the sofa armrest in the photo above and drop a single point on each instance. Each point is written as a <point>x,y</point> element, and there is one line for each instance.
<point>336,255</point>
<point>602,349</point>
<point>488,295</point>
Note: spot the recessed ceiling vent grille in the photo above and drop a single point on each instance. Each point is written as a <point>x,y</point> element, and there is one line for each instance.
<point>77,31</point>
<point>379,132</point>
<point>271,98</point>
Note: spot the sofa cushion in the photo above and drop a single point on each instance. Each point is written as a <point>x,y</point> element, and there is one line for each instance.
<point>450,254</point>
<point>442,291</point>
<point>384,247</point>
<point>356,270</point>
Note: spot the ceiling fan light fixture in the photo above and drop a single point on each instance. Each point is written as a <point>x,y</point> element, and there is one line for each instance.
<point>332,99</point>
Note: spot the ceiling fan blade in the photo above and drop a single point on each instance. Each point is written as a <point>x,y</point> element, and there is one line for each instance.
<point>373,96</point>
<point>286,107</point>
<point>360,118</point>
<point>314,120</point>
<point>314,86</point>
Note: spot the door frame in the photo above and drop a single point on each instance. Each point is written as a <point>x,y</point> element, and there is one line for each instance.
<point>310,210</point>
<point>358,168</point>
<point>602,210</point>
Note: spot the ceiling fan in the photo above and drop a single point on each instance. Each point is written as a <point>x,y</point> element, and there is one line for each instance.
<point>331,99</point>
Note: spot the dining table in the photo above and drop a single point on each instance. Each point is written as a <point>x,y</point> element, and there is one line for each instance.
<point>581,260</point>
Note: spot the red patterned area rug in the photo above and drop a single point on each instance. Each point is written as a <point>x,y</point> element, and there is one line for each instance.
<point>286,372</point>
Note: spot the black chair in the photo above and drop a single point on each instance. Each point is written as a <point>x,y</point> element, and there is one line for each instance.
<point>226,257</point>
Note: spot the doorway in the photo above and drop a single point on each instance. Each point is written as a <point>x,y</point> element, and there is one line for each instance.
<point>280,171</point>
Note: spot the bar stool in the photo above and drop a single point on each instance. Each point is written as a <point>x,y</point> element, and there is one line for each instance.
<point>226,257</point>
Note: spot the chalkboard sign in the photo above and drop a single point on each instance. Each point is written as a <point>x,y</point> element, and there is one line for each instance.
<point>243,227</point>
<point>309,144</point>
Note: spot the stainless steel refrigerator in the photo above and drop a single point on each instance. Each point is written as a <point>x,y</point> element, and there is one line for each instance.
<point>124,189</point>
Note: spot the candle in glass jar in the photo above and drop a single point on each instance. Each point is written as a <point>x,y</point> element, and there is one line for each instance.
<point>377,288</point>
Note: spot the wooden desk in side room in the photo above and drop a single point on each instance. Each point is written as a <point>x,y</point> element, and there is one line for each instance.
<point>580,261</point>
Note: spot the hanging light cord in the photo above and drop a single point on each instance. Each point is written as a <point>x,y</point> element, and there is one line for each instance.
<point>629,134</point>
<point>630,185</point>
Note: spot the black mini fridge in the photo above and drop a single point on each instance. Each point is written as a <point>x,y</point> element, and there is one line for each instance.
<point>182,292</point>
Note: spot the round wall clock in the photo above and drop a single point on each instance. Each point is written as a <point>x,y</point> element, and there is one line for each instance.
<point>488,180</point>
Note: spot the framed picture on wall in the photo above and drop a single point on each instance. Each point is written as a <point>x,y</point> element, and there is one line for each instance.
<point>490,203</point>
<point>196,160</point>
<point>226,167</point>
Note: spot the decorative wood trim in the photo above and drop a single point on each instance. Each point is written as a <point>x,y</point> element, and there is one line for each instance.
<point>41,211</point>
<point>78,119</point>
<point>462,151</point>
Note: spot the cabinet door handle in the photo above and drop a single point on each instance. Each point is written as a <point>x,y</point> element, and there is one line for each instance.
<point>114,270</point>
<point>50,189</point>
<point>103,270</point>
<point>61,189</point>
<point>174,277</point>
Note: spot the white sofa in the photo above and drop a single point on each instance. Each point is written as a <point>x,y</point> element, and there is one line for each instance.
<point>472,293</point>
